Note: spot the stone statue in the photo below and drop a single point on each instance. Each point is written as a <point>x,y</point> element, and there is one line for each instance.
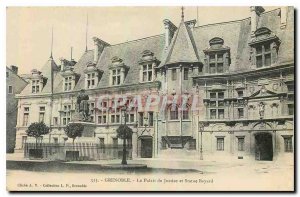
<point>82,106</point>
<point>261,108</point>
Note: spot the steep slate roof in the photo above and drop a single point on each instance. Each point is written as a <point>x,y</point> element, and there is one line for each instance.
<point>46,72</point>
<point>186,46</point>
<point>182,47</point>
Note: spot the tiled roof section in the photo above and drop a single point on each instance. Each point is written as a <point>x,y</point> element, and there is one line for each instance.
<point>182,47</point>
<point>186,45</point>
<point>46,72</point>
<point>130,53</point>
<point>80,66</point>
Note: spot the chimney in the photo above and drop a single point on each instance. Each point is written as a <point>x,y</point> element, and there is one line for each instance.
<point>255,13</point>
<point>170,29</point>
<point>283,17</point>
<point>63,64</point>
<point>99,47</point>
<point>191,24</point>
<point>14,69</point>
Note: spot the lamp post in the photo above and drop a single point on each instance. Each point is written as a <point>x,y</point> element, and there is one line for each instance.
<point>201,128</point>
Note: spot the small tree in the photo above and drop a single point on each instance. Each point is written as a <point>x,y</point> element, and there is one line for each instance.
<point>124,132</point>
<point>36,130</point>
<point>74,130</point>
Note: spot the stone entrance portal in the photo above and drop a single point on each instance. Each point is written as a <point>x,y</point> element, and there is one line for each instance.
<point>146,147</point>
<point>263,147</point>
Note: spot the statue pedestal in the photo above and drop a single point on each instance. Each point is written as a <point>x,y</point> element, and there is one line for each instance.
<point>78,118</point>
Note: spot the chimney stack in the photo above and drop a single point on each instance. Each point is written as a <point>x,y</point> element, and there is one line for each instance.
<point>14,69</point>
<point>170,29</point>
<point>99,46</point>
<point>63,63</point>
<point>283,17</point>
<point>255,13</point>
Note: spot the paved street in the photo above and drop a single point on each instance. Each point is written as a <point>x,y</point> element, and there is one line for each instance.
<point>243,174</point>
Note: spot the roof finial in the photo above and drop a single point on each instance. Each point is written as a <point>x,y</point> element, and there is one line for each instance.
<point>86,31</point>
<point>182,13</point>
<point>71,53</point>
<point>51,56</point>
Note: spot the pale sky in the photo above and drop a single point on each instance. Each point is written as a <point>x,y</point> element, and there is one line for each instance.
<point>29,28</point>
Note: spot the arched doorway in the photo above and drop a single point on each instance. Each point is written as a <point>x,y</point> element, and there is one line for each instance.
<point>263,147</point>
<point>146,146</point>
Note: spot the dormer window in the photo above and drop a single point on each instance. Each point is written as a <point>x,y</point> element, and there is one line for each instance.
<point>263,55</point>
<point>264,48</point>
<point>116,77</point>
<point>147,64</point>
<point>69,79</point>
<point>217,57</point>
<point>35,86</point>
<point>147,72</point>
<point>68,84</point>
<point>117,71</point>
<point>91,80</point>
<point>216,63</point>
<point>91,76</point>
<point>37,81</point>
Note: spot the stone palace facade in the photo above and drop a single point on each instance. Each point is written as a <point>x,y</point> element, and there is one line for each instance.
<point>242,73</point>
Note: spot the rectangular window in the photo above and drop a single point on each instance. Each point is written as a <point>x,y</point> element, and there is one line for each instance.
<point>91,80</point>
<point>41,116</point>
<point>213,114</point>
<point>151,119</point>
<point>147,72</point>
<point>131,118</point>
<point>92,111</point>
<point>185,114</point>
<point>35,86</point>
<point>68,84</point>
<point>288,144</point>
<point>291,109</point>
<point>26,116</point>
<point>216,63</point>
<point>220,95</point>
<point>240,93</point>
<point>241,113</point>
<point>185,74</point>
<point>220,113</point>
<point>116,77</point>
<point>174,75</point>
<point>141,119</point>
<point>7,74</point>
<point>213,95</point>
<point>241,143</point>
<point>220,143</point>
<point>263,56</point>
<point>55,140</point>
<point>212,68</point>
<point>112,118</point>
<point>66,115</point>
<point>10,90</point>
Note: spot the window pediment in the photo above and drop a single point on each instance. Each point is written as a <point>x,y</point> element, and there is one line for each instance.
<point>69,71</point>
<point>264,34</point>
<point>91,67</point>
<point>117,63</point>
<point>147,56</point>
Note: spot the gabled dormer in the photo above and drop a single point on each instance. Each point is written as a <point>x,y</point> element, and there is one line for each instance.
<point>117,71</point>
<point>92,75</point>
<point>264,48</point>
<point>148,63</point>
<point>37,81</point>
<point>217,57</point>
